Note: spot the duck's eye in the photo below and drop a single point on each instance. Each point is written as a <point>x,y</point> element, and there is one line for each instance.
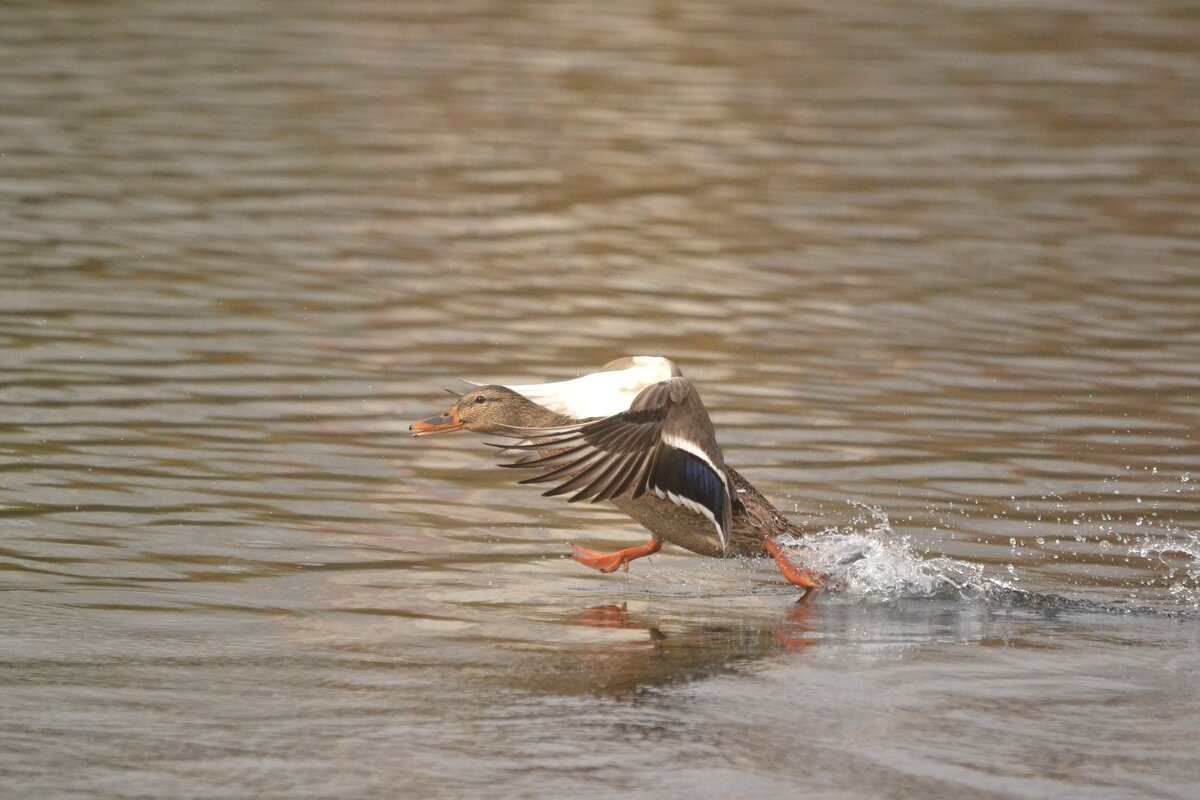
<point>480,399</point>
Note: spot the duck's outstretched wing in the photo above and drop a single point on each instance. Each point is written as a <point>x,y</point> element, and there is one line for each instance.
<point>663,444</point>
<point>610,390</point>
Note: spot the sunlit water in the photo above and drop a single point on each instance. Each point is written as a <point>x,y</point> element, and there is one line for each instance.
<point>934,267</point>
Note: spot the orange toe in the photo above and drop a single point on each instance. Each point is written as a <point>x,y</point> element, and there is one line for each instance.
<point>794,573</point>
<point>605,562</point>
<point>611,562</point>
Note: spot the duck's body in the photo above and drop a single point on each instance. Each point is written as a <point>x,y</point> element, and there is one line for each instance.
<point>755,521</point>
<point>637,434</point>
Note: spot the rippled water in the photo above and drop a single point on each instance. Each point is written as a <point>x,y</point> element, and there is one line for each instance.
<point>935,268</point>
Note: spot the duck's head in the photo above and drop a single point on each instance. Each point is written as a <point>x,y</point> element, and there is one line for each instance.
<point>486,409</point>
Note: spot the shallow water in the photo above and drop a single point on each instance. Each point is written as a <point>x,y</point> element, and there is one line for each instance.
<point>935,268</point>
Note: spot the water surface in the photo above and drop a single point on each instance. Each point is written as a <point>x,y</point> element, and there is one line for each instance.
<point>935,268</point>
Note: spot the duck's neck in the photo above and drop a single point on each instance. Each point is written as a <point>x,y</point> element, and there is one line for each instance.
<point>525,413</point>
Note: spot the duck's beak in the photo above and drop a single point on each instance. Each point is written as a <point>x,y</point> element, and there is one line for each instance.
<point>445,422</point>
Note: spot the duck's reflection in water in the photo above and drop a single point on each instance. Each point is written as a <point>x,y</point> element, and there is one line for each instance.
<point>791,634</point>
<point>614,616</point>
<point>637,645</point>
<point>671,650</point>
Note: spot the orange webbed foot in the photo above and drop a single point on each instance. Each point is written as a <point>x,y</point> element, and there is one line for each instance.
<point>794,573</point>
<point>611,562</point>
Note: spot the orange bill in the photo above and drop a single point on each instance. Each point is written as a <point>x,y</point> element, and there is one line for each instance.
<point>446,422</point>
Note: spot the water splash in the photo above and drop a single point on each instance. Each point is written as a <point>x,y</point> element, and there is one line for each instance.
<point>889,566</point>
<point>1179,553</point>
<point>867,559</point>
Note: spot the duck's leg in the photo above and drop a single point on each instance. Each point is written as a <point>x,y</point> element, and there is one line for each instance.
<point>795,574</point>
<point>611,562</point>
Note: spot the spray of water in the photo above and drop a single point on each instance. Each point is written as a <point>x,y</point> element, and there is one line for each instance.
<point>868,559</point>
<point>1179,555</point>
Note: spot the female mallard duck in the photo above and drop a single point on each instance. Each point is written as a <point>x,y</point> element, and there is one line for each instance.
<point>635,433</point>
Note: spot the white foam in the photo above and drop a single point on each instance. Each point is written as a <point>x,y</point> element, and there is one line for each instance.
<point>889,566</point>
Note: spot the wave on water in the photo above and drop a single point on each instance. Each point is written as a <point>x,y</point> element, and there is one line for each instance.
<point>867,559</point>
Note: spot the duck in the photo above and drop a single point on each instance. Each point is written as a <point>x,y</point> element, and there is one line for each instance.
<point>636,434</point>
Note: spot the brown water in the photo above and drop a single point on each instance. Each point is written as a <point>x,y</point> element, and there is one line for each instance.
<point>935,268</point>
